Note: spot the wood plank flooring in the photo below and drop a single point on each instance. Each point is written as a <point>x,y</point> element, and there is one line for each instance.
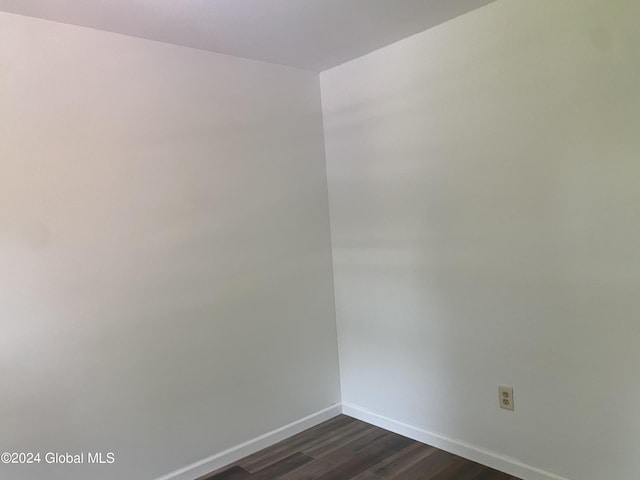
<point>347,449</point>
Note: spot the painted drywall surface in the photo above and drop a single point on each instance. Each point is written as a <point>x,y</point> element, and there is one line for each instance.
<point>485,215</point>
<point>165,268</point>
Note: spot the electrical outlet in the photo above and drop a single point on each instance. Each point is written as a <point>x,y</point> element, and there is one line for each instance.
<point>506,397</point>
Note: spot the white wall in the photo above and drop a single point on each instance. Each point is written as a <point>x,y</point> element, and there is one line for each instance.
<point>165,271</point>
<point>484,182</point>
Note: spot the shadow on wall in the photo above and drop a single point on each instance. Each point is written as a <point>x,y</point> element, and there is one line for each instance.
<point>483,192</point>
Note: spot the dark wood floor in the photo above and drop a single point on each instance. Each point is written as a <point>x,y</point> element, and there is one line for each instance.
<point>347,449</point>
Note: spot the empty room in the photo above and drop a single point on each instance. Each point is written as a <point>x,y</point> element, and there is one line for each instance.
<point>319,239</point>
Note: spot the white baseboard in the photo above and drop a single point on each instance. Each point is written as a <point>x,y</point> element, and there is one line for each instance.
<point>233,454</point>
<point>491,459</point>
<point>503,463</point>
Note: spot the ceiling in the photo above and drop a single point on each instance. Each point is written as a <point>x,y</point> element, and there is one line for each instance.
<point>310,34</point>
